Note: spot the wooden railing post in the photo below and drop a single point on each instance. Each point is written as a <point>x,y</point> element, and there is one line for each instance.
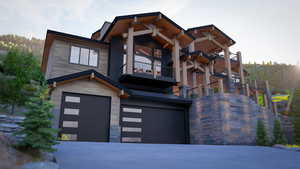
<point>241,71</point>
<point>256,91</point>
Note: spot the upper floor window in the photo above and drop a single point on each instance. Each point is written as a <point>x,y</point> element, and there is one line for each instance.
<point>147,60</point>
<point>84,56</point>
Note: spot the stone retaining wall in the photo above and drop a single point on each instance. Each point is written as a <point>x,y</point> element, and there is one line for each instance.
<point>10,124</point>
<point>227,119</point>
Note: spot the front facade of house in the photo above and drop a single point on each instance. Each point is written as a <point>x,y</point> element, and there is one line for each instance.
<point>135,79</point>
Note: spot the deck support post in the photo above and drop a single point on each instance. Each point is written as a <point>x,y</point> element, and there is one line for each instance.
<point>184,87</point>
<point>176,60</point>
<point>241,72</point>
<point>228,69</point>
<point>129,66</point>
<point>194,82</point>
<point>247,90</point>
<point>221,87</point>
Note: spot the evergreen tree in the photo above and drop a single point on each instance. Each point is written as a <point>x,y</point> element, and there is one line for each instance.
<point>37,129</point>
<point>18,69</point>
<point>261,134</point>
<point>278,134</point>
<point>295,110</point>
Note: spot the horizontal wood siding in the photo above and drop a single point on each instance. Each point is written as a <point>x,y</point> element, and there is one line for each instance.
<point>58,62</point>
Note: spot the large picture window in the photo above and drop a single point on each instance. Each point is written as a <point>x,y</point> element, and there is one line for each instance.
<point>84,56</point>
<point>147,60</point>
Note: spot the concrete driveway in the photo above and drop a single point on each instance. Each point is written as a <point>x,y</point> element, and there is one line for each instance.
<point>88,155</point>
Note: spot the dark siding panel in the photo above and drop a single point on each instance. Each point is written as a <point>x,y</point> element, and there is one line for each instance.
<point>115,58</point>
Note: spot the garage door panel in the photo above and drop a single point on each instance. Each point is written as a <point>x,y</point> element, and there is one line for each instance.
<point>158,124</point>
<point>85,115</point>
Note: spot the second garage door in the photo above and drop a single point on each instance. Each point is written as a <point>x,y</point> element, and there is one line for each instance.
<point>148,124</point>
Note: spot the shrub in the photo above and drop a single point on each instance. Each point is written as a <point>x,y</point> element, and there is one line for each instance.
<point>261,134</point>
<point>278,134</point>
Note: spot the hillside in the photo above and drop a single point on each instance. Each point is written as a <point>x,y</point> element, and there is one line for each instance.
<point>33,45</point>
<point>280,76</point>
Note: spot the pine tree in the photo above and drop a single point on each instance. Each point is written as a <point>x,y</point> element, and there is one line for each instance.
<point>295,111</point>
<point>278,134</point>
<point>37,129</point>
<point>261,134</point>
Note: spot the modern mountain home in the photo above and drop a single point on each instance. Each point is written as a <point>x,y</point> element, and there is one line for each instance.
<point>136,78</point>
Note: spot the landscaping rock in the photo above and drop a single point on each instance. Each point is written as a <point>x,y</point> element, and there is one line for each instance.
<point>40,165</point>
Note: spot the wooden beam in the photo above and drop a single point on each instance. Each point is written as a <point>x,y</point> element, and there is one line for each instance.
<point>200,91</point>
<point>184,74</point>
<point>129,62</point>
<point>166,45</point>
<point>176,59</point>
<point>221,86</point>
<point>218,44</point>
<point>165,38</point>
<point>192,46</point>
<point>200,39</point>
<point>142,32</point>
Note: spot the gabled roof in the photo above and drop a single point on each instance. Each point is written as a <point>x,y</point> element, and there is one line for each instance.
<point>121,24</point>
<point>207,45</point>
<point>88,74</point>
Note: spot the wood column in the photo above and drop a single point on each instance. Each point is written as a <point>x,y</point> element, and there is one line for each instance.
<point>200,91</point>
<point>184,74</point>
<point>194,82</point>
<point>221,87</point>
<point>129,62</point>
<point>228,68</point>
<point>241,71</point>
<point>247,90</point>
<point>176,60</point>
<point>207,80</point>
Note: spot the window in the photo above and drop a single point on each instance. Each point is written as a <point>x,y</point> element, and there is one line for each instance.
<point>147,60</point>
<point>84,56</point>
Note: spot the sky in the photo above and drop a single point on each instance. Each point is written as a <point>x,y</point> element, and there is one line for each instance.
<point>264,30</point>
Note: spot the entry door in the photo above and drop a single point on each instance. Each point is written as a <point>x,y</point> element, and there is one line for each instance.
<point>85,117</point>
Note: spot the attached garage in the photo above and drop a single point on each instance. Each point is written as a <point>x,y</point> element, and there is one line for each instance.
<point>145,121</point>
<point>85,117</point>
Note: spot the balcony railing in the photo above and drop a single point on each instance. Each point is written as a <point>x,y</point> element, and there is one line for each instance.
<point>148,69</point>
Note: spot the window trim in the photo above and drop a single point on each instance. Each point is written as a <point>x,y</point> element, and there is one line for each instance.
<point>79,46</point>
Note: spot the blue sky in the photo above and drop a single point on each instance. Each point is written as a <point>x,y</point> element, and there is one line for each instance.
<point>265,30</point>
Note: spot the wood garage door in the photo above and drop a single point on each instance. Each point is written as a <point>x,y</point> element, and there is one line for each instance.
<point>85,117</point>
<point>153,125</point>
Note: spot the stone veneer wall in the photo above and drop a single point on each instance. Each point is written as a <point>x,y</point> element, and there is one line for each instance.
<point>227,119</point>
<point>10,124</point>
